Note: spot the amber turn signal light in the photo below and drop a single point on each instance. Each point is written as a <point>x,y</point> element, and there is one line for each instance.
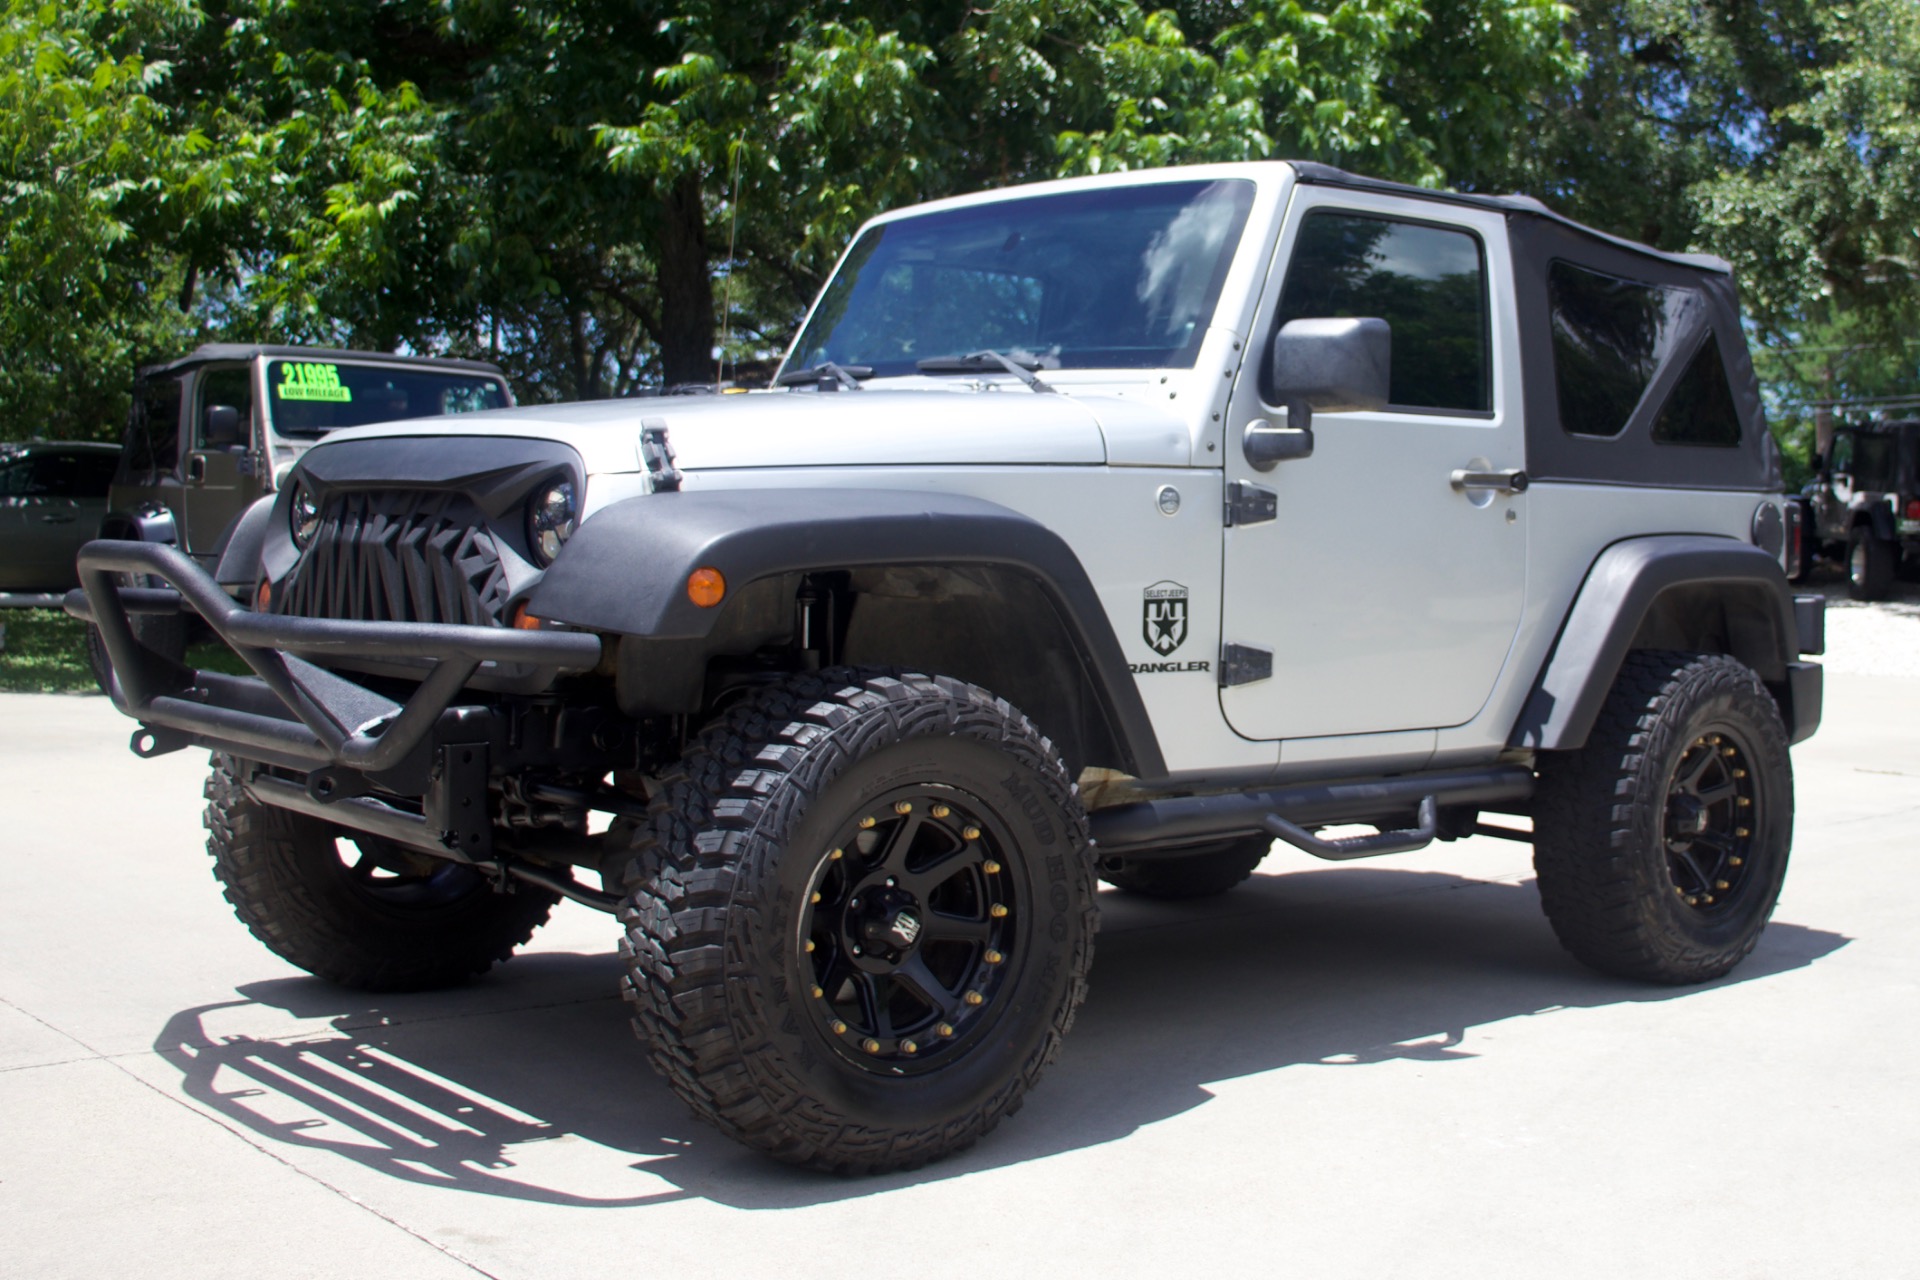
<point>263,596</point>
<point>706,588</point>
<point>524,621</point>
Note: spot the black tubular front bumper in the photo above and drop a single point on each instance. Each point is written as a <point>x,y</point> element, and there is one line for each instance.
<point>291,712</point>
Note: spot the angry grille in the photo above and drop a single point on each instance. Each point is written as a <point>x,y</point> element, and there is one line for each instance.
<point>399,557</point>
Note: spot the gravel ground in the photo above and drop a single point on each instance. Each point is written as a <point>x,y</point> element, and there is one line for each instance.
<point>1880,639</point>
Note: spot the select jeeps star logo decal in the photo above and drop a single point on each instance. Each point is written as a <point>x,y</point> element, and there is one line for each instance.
<point>1165,616</point>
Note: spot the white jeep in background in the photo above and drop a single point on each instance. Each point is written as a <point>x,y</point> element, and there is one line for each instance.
<point>1108,528</point>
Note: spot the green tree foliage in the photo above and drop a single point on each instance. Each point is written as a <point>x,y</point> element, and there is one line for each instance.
<point>593,195</point>
<point>89,169</point>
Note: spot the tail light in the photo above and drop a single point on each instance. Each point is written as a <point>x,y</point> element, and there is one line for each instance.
<point>1913,508</point>
<point>1796,548</point>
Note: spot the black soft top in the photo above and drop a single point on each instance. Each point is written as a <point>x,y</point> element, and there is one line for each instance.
<point>225,352</point>
<point>1538,238</point>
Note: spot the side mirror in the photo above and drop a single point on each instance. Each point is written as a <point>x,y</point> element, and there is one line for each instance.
<point>222,428</point>
<point>1335,366</point>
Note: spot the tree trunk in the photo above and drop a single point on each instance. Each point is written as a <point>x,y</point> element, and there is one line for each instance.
<point>686,286</point>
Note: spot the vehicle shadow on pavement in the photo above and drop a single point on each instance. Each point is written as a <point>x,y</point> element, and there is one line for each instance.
<point>531,1086</point>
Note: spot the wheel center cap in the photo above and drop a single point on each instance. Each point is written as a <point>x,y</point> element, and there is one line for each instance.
<point>1687,816</point>
<point>903,929</point>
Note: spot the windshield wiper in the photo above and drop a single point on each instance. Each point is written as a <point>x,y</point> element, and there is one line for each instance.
<point>829,375</point>
<point>974,361</point>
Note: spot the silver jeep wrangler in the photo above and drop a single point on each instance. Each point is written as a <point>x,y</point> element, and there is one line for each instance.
<point>1100,529</point>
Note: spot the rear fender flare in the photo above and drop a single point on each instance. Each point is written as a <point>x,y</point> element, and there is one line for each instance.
<point>1629,599</point>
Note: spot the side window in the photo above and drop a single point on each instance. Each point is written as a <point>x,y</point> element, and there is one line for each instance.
<point>230,385</point>
<point>1700,409</point>
<point>96,473</point>
<point>55,475</point>
<point>1610,336</point>
<point>16,474</point>
<point>1428,283</point>
<point>154,441</point>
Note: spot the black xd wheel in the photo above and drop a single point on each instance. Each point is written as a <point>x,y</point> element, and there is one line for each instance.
<point>1205,872</point>
<point>1661,845</point>
<point>355,910</point>
<point>859,949</point>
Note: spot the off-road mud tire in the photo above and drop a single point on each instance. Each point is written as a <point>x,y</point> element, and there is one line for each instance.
<point>1870,563</point>
<point>1208,871</point>
<point>285,877</point>
<point>1622,876</point>
<point>166,634</point>
<point>740,837</point>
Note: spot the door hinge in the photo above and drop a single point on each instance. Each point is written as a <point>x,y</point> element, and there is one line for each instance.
<point>1250,504</point>
<point>1244,664</point>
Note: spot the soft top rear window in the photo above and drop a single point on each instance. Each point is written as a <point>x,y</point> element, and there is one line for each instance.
<point>1610,336</point>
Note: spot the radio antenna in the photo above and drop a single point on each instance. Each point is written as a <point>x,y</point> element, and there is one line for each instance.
<point>726,290</point>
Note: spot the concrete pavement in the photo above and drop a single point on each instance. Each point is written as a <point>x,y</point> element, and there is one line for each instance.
<point>1335,1071</point>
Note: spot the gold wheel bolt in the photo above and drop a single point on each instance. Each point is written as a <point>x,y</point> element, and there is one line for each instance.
<point>1682,892</point>
<point>1741,831</point>
<point>1739,773</point>
<point>870,1045</point>
<point>998,911</point>
<point>1723,885</point>
<point>909,1047</point>
<point>818,992</point>
<point>1692,901</point>
<point>974,998</point>
<point>866,822</point>
<point>839,1027</point>
<point>836,855</point>
<point>903,807</point>
<point>945,1028</point>
<point>809,944</point>
<point>1716,739</point>
<point>939,811</point>
<point>1735,862</point>
<point>1707,899</point>
<point>993,957</point>
<point>991,867</point>
<point>1699,742</point>
<point>1728,751</point>
<point>816,895</point>
<point>1743,802</point>
<point>971,833</point>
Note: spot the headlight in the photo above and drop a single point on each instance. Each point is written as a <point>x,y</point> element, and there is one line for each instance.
<point>303,517</point>
<point>551,517</point>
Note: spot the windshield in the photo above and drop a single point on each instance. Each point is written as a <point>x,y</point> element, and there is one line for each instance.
<point>312,397</point>
<point>1118,278</point>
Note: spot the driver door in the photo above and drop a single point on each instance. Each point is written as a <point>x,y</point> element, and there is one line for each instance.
<point>216,472</point>
<point>1380,596</point>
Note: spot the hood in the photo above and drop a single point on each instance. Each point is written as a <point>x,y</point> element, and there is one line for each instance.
<point>988,427</point>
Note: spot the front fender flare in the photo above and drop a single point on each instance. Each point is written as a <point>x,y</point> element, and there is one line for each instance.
<point>148,522</point>
<point>626,570</point>
<point>1621,590</point>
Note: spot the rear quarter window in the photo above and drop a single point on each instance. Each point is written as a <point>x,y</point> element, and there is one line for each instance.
<point>1613,338</point>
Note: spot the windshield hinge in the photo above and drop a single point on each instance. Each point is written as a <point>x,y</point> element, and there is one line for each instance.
<point>1250,504</point>
<point>1244,664</point>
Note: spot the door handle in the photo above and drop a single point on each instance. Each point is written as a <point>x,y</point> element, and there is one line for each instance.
<point>1498,481</point>
<point>196,469</point>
